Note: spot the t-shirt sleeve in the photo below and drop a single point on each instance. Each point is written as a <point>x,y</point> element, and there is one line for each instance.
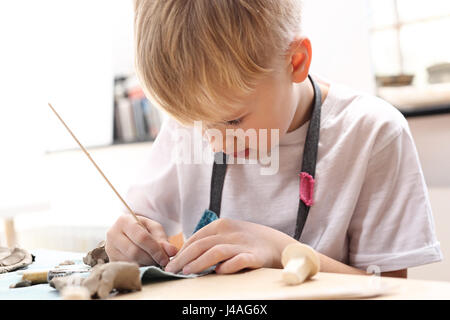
<point>392,227</point>
<point>154,192</point>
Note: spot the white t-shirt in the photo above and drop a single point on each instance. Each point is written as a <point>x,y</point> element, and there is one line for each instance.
<point>371,205</point>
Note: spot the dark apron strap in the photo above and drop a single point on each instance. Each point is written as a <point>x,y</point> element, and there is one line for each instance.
<point>310,155</point>
<point>308,164</point>
<point>217,182</point>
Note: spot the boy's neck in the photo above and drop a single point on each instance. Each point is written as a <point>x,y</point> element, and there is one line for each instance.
<point>305,94</point>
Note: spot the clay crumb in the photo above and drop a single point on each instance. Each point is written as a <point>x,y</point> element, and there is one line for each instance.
<point>97,255</point>
<point>21,284</point>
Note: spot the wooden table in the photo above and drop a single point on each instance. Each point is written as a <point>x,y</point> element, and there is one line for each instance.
<point>264,284</point>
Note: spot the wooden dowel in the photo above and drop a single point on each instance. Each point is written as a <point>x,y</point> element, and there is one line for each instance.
<point>99,170</point>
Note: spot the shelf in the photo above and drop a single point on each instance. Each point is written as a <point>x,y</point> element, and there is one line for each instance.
<point>99,147</point>
<point>411,97</point>
<point>430,100</point>
<point>426,111</point>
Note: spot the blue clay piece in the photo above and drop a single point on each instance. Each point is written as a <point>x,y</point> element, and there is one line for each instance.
<point>207,218</point>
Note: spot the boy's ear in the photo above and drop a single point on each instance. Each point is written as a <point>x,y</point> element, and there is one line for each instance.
<point>300,55</point>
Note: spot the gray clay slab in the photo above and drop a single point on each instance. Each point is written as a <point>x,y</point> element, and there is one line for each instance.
<point>156,273</point>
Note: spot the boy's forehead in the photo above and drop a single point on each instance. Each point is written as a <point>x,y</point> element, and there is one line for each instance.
<point>235,109</point>
<point>232,105</point>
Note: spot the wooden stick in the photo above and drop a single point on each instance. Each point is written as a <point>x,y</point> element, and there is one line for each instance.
<point>99,170</point>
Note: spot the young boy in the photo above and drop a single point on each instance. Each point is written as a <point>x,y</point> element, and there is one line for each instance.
<point>244,64</point>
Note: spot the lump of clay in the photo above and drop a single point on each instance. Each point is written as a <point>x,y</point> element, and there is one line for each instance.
<point>59,283</point>
<point>66,263</point>
<point>13,259</point>
<point>97,255</point>
<point>104,278</point>
<point>122,276</point>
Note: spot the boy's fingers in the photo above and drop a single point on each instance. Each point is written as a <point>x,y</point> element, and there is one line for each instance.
<point>114,254</point>
<point>206,231</point>
<point>192,252</point>
<point>147,242</point>
<point>212,257</point>
<point>170,249</point>
<point>237,263</point>
<point>124,249</point>
<point>153,227</point>
<point>158,233</point>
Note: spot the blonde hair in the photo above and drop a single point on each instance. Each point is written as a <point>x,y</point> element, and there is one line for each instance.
<point>196,58</point>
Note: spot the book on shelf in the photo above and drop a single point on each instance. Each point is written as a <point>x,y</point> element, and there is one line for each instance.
<point>125,120</point>
<point>135,118</point>
<point>153,118</point>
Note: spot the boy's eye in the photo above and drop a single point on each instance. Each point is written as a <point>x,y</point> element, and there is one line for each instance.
<point>234,122</point>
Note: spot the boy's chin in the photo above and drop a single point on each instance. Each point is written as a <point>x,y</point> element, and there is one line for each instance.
<point>245,154</point>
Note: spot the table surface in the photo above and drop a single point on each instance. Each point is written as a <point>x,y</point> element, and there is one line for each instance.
<point>257,284</point>
<point>45,259</point>
<point>264,284</point>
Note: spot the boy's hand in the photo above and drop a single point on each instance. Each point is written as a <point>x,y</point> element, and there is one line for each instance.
<point>126,240</point>
<point>233,245</point>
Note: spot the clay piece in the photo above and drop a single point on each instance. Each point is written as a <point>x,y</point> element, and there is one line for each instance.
<point>66,263</point>
<point>13,259</point>
<point>21,284</point>
<point>97,255</point>
<point>75,293</point>
<point>103,279</point>
<point>208,217</point>
<point>122,276</point>
<point>153,273</point>
<point>300,263</point>
<point>59,283</point>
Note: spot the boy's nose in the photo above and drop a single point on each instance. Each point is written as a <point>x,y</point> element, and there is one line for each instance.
<point>214,145</point>
<point>213,142</point>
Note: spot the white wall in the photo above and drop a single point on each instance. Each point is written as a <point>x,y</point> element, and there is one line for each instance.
<point>123,51</point>
<point>340,39</point>
<point>440,271</point>
<point>432,137</point>
<point>79,194</point>
<point>83,206</point>
<point>59,52</point>
<point>51,51</point>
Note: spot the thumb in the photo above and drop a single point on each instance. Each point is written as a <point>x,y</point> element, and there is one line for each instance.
<point>170,249</point>
<point>157,231</point>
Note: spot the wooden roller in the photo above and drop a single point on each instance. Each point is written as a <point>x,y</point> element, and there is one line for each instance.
<point>35,276</point>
